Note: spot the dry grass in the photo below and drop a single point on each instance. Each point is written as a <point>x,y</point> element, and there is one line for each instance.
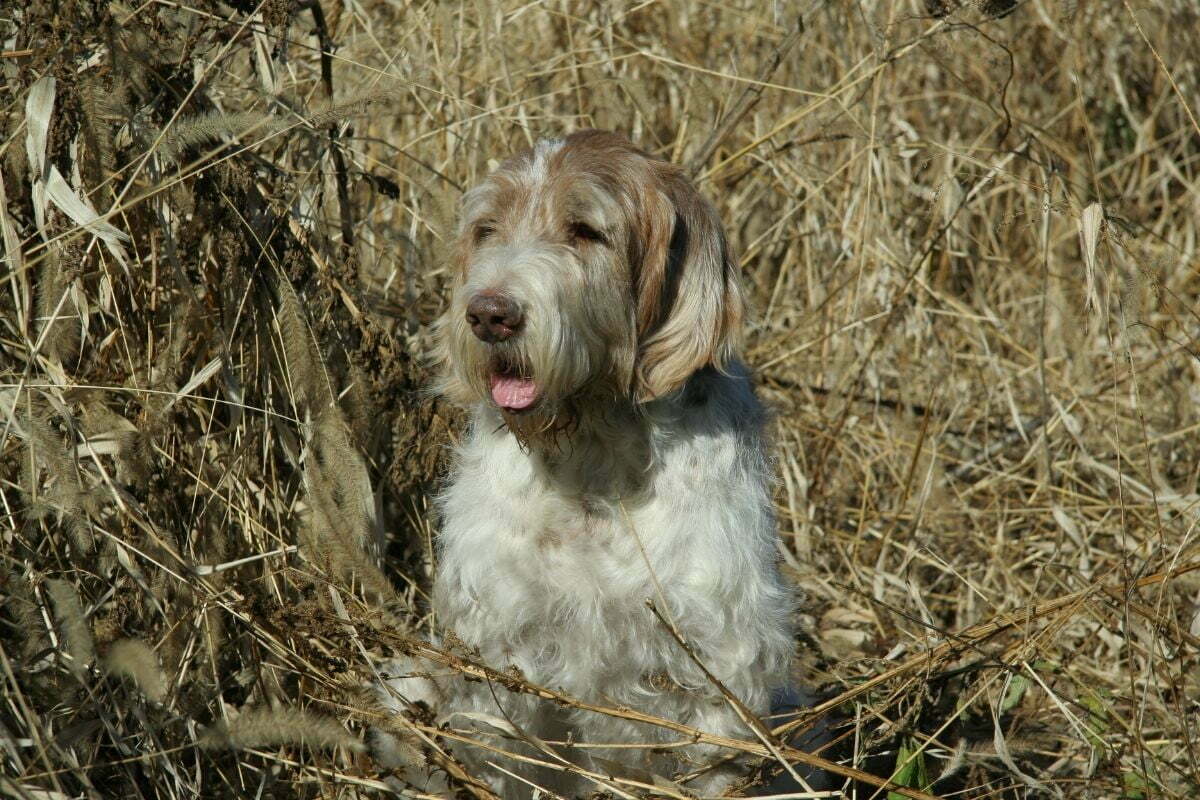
<point>972,246</point>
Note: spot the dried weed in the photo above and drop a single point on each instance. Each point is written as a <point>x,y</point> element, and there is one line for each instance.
<point>970,230</point>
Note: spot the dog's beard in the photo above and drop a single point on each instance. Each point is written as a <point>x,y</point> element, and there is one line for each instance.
<point>546,381</point>
<point>537,410</point>
<point>542,409</point>
<point>546,430</point>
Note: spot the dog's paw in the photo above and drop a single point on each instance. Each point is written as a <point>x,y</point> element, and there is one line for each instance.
<point>404,690</point>
<point>404,686</point>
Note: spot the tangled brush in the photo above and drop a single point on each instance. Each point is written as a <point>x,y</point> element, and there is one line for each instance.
<point>969,232</point>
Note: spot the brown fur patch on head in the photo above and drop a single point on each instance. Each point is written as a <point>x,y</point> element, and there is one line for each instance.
<point>685,281</point>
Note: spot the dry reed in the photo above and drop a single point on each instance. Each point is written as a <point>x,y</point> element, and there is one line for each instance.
<point>970,233</point>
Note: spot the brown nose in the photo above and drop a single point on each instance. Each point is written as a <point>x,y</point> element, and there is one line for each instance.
<point>493,317</point>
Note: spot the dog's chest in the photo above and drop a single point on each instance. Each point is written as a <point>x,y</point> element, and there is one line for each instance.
<point>543,547</point>
<point>554,582</point>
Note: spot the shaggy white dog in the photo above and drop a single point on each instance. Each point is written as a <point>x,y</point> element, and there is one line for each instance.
<point>615,456</point>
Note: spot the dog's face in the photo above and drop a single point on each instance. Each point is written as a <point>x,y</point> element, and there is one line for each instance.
<point>587,273</point>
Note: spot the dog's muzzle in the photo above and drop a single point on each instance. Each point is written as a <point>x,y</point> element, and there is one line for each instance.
<point>496,318</point>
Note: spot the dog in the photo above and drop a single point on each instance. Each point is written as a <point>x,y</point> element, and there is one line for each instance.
<point>615,459</point>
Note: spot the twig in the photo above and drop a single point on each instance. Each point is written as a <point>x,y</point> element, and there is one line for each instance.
<point>745,714</point>
<point>973,636</point>
<point>335,150</point>
<point>425,650</point>
<point>748,99</point>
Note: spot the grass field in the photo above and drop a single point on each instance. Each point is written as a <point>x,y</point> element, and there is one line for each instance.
<point>970,236</point>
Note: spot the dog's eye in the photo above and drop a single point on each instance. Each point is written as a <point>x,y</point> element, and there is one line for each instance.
<point>582,232</point>
<point>483,232</point>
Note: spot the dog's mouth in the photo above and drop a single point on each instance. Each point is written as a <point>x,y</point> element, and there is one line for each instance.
<point>512,389</point>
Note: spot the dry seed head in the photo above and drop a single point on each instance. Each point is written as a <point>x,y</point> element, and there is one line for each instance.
<point>262,727</point>
<point>134,659</point>
<point>73,627</point>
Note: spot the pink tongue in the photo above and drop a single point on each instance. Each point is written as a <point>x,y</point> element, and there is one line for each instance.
<point>512,392</point>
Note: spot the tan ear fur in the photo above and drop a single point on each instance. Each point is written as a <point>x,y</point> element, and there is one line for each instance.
<point>689,297</point>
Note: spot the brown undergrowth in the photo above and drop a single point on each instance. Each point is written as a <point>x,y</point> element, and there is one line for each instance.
<point>969,230</point>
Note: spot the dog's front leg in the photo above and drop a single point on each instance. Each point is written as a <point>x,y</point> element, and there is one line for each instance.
<point>487,722</point>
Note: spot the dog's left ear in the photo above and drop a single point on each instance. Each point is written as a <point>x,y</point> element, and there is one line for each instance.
<point>689,298</point>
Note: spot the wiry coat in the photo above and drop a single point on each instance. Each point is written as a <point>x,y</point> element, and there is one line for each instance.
<point>636,473</point>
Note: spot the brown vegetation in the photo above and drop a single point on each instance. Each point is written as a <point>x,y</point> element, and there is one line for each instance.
<point>969,230</point>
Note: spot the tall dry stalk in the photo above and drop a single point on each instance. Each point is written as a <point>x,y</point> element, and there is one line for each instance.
<point>969,231</point>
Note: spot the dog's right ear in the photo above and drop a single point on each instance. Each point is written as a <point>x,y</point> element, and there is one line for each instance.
<point>689,299</point>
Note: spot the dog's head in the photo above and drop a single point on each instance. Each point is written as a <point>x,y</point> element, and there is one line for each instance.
<point>587,272</point>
